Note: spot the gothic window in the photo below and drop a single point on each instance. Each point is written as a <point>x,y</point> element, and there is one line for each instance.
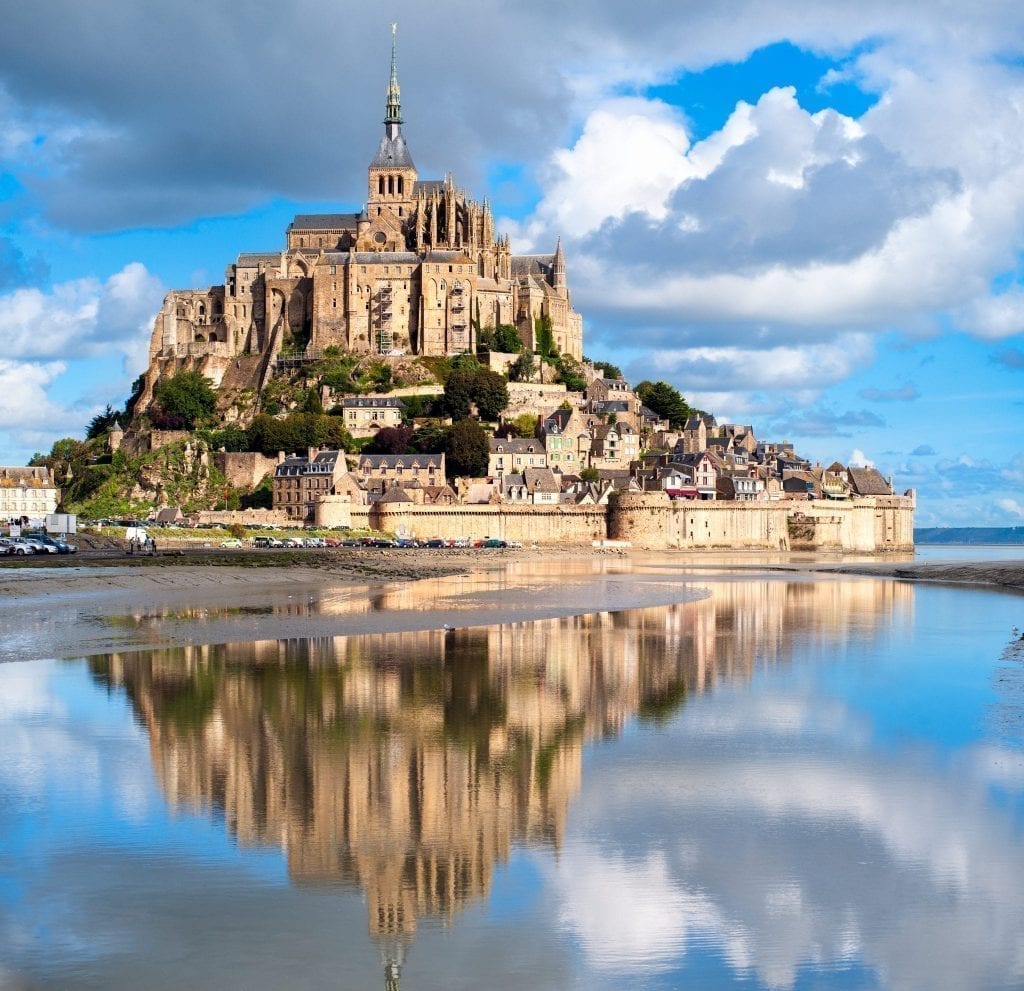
<point>391,185</point>
<point>380,185</point>
<point>401,188</point>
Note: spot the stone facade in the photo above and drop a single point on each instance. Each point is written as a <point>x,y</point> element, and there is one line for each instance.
<point>27,492</point>
<point>408,274</point>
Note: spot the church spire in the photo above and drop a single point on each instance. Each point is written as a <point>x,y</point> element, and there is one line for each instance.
<point>394,112</point>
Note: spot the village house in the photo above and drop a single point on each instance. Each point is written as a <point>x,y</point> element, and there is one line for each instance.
<point>27,492</point>
<point>300,482</point>
<point>567,440</point>
<point>377,472</point>
<point>615,445</point>
<point>365,415</point>
<point>511,455</point>
<point>700,469</point>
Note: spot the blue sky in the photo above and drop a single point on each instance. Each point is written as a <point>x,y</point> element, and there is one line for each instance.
<point>809,219</point>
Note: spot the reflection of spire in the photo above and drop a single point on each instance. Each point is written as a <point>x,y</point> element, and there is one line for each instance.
<point>394,111</point>
<point>392,953</point>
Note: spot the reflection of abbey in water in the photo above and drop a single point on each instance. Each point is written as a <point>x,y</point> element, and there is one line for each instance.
<point>408,764</point>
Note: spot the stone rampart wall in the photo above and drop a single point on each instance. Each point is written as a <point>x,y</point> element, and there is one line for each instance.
<point>652,521</point>
<point>244,469</point>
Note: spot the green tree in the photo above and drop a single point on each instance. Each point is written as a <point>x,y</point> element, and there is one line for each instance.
<point>429,439</point>
<point>101,423</point>
<point>390,440</point>
<point>666,401</point>
<point>590,475</point>
<point>187,398</point>
<point>523,368</point>
<point>468,386</point>
<point>313,403</point>
<point>459,392</point>
<point>507,339</point>
<point>231,438</point>
<point>490,393</point>
<point>570,373</point>
<point>466,449</point>
<point>545,336</point>
<point>525,425</point>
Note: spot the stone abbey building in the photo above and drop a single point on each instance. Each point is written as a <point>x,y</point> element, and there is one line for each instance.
<point>416,272</point>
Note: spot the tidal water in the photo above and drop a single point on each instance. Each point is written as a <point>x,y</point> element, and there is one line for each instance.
<point>797,784</point>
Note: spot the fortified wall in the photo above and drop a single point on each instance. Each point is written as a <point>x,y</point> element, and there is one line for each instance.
<point>652,521</point>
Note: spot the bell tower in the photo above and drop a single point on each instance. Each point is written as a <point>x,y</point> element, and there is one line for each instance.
<point>392,174</point>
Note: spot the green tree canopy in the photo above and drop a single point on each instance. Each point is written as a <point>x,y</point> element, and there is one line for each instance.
<point>666,401</point>
<point>101,423</point>
<point>570,373</point>
<point>523,368</point>
<point>507,339</point>
<point>184,400</point>
<point>467,449</point>
<point>481,387</point>
<point>390,440</point>
<point>296,432</point>
<point>545,336</point>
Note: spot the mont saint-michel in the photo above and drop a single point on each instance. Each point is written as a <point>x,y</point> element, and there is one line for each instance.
<point>400,369</point>
<point>420,270</point>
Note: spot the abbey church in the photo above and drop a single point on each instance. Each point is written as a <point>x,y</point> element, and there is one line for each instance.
<point>418,272</point>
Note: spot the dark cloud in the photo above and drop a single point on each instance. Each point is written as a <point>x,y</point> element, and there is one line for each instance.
<point>181,110</point>
<point>737,221</point>
<point>903,394</point>
<point>923,451</point>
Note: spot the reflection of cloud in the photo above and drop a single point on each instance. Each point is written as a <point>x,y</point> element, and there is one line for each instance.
<point>628,915</point>
<point>850,851</point>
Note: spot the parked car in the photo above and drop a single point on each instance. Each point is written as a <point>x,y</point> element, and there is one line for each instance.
<point>436,542</point>
<point>491,542</point>
<point>5,547</point>
<point>22,547</point>
<point>233,543</point>
<point>39,545</point>
<point>266,542</point>
<point>54,545</point>
<point>293,542</point>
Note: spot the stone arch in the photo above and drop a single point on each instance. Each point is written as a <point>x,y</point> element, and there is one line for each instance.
<point>298,266</point>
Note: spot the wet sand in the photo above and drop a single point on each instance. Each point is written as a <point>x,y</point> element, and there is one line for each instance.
<point>73,608</point>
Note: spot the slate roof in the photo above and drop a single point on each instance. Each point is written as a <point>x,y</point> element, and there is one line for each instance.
<point>324,222</point>
<point>372,402</point>
<point>532,264</point>
<point>392,153</point>
<point>255,259</point>
<point>516,445</point>
<point>395,494</point>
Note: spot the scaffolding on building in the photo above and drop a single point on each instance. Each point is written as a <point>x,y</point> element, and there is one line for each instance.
<point>385,336</point>
<point>458,308</point>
